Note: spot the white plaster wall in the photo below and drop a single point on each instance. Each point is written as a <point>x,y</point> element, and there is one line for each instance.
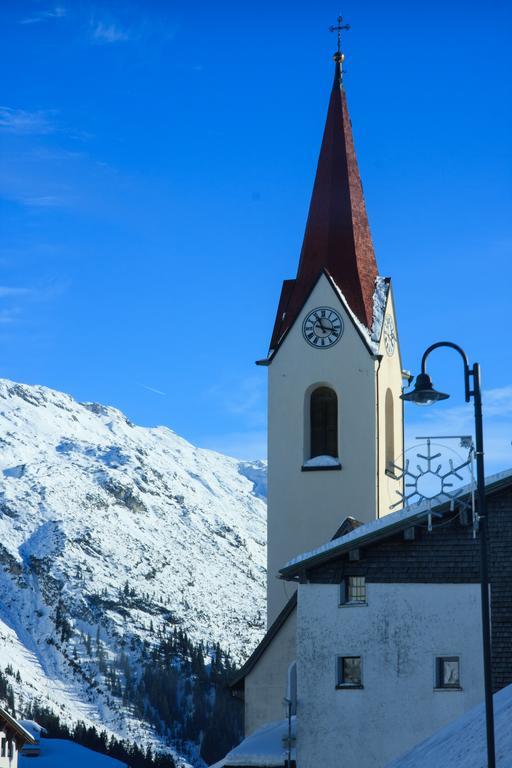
<point>6,762</point>
<point>266,684</point>
<point>398,634</point>
<point>389,376</point>
<point>306,508</point>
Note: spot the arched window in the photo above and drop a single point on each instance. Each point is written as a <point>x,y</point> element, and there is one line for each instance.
<point>389,419</point>
<point>324,422</point>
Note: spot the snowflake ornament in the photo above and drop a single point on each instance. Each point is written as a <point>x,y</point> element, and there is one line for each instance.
<point>430,483</point>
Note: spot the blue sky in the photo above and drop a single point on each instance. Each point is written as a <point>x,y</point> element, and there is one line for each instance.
<point>157,163</point>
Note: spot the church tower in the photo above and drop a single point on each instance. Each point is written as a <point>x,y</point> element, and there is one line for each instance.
<point>335,418</point>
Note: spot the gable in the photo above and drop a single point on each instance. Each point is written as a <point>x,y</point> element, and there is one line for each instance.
<point>323,293</point>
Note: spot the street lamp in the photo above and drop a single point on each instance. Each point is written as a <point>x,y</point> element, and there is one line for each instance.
<point>425,394</point>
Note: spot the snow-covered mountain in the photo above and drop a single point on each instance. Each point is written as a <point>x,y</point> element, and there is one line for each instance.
<point>118,533</point>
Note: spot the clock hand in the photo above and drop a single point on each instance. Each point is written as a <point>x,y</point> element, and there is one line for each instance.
<point>322,326</point>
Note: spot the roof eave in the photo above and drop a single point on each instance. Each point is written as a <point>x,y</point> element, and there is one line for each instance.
<point>339,293</point>
<point>239,677</point>
<point>295,570</point>
<point>25,735</point>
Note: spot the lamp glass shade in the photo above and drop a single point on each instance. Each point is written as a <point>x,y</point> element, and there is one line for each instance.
<point>424,392</point>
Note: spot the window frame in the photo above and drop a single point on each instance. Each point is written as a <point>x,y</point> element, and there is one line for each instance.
<point>344,592</point>
<point>322,413</point>
<point>389,434</point>
<point>438,672</point>
<point>341,685</point>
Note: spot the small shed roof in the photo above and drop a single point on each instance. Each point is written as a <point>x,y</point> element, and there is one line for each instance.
<point>32,727</point>
<point>18,729</point>
<point>265,748</point>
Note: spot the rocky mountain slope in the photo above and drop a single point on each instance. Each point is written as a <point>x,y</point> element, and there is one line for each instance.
<point>113,537</point>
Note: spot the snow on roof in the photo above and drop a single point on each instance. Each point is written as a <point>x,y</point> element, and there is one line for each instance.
<point>380,294</point>
<point>462,743</point>
<point>380,297</point>
<point>32,727</point>
<point>62,753</point>
<point>381,524</point>
<point>265,747</point>
<point>16,726</point>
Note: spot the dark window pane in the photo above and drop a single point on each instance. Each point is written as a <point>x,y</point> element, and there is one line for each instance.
<point>451,672</point>
<point>448,672</point>
<point>349,670</point>
<point>324,422</point>
<point>390,430</point>
<point>356,589</point>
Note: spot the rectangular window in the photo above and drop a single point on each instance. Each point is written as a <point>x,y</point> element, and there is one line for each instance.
<point>353,590</point>
<point>448,672</point>
<point>348,672</point>
<point>2,750</point>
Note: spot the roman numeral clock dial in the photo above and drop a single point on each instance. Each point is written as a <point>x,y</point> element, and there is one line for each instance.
<point>323,327</point>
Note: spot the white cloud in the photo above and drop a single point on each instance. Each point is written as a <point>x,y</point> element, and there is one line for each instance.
<point>459,420</point>
<point>7,291</point>
<point>22,188</point>
<point>45,201</point>
<point>498,402</point>
<point>23,122</point>
<point>109,33</point>
<point>247,446</point>
<point>8,316</point>
<point>58,12</point>
<point>18,304</point>
<point>242,397</point>
<point>153,389</point>
<point>243,400</point>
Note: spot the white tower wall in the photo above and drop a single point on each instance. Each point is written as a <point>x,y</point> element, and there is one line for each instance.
<point>305,508</point>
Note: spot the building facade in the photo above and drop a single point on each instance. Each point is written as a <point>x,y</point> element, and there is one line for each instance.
<point>12,738</point>
<point>374,634</point>
<point>335,418</point>
<point>389,635</point>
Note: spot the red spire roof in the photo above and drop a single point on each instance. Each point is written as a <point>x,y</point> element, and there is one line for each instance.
<point>337,237</point>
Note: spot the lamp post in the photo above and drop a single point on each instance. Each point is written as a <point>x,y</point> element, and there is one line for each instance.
<point>289,704</point>
<point>425,394</point>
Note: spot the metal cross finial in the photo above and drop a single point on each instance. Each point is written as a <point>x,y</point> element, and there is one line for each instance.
<point>337,28</point>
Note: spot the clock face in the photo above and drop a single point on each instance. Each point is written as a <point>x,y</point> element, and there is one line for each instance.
<point>323,327</point>
<point>389,335</point>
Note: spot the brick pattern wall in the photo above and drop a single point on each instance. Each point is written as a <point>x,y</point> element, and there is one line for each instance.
<point>449,554</point>
<point>500,569</point>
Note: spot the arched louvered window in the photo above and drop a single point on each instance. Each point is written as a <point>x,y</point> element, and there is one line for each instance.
<point>324,422</point>
<point>389,419</point>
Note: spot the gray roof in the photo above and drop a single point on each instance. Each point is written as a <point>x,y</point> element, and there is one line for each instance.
<point>381,528</point>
